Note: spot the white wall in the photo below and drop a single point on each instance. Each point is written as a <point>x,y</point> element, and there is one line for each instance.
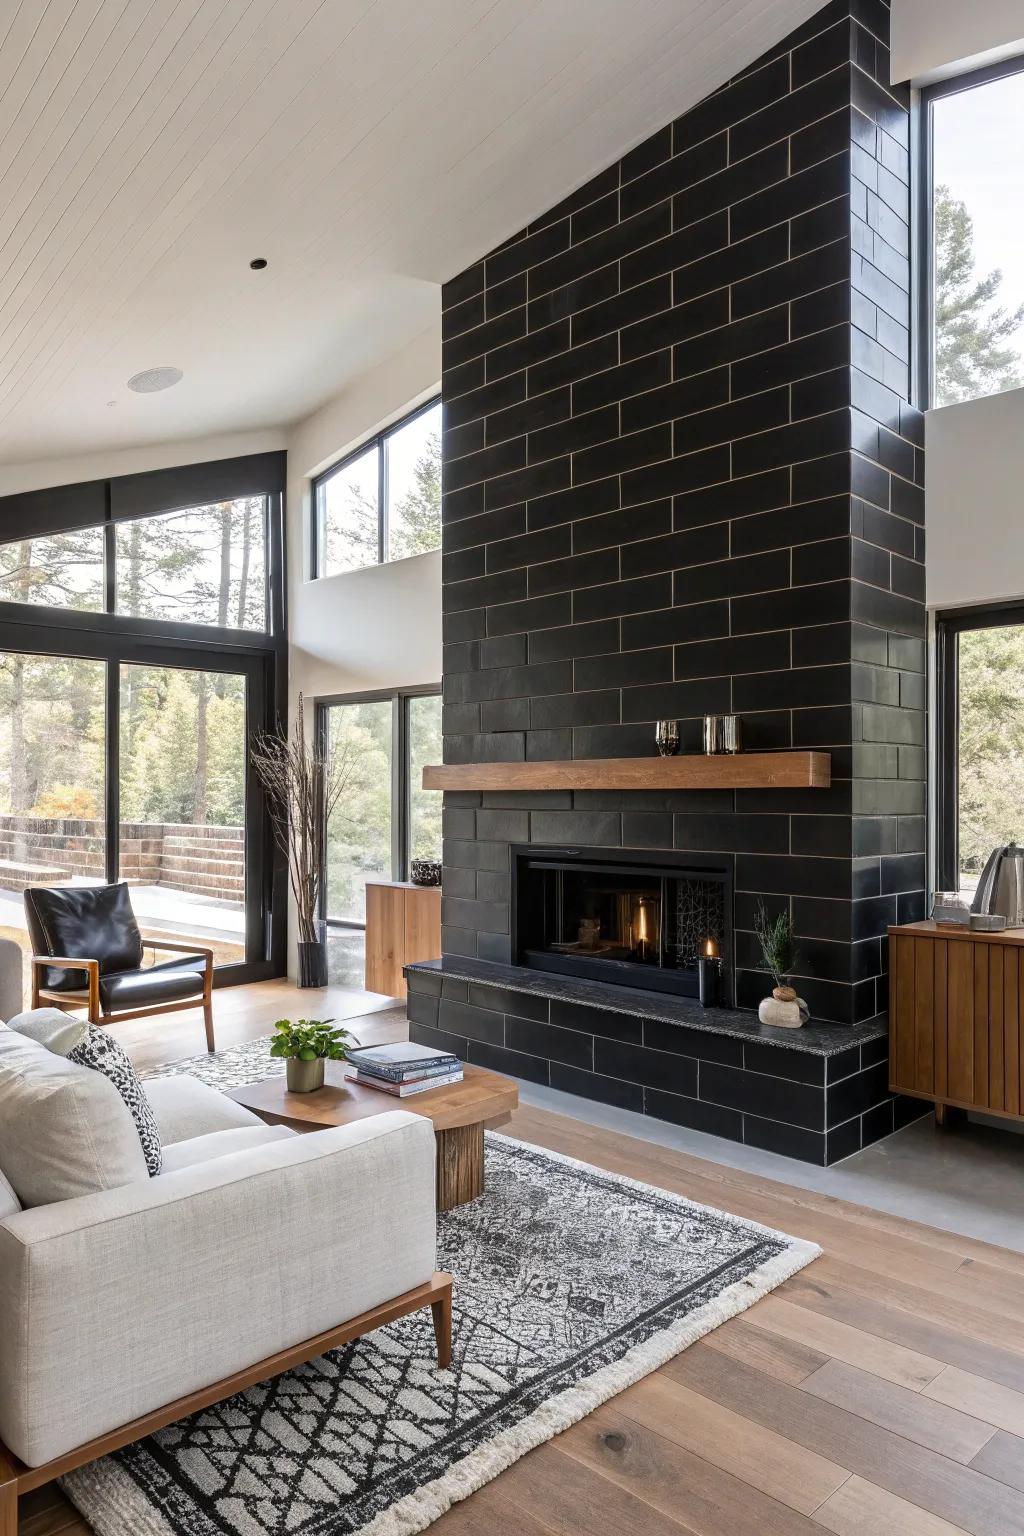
<point>380,627</point>
<point>974,466</point>
<point>935,38</point>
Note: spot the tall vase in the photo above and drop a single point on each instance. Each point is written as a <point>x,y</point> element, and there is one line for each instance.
<point>313,960</point>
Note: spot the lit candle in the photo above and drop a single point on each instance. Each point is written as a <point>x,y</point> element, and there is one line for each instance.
<point>709,973</point>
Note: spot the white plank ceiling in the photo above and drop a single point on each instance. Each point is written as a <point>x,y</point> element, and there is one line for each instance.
<point>368,149</point>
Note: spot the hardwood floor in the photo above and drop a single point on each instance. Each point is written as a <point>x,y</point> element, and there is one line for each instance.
<point>880,1390</point>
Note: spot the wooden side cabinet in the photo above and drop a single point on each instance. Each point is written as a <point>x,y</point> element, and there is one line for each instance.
<point>403,924</point>
<point>956,1017</point>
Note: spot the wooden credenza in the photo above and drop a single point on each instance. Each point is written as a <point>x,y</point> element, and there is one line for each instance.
<point>403,924</point>
<point>956,1017</point>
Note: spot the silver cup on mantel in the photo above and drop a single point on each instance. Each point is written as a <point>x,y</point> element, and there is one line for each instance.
<point>722,734</point>
<point>666,737</point>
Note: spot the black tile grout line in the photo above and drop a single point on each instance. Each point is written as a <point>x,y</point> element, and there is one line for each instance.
<point>676,458</point>
<point>634,250</point>
<point>676,154</point>
<point>839,367</point>
<point>694,528</point>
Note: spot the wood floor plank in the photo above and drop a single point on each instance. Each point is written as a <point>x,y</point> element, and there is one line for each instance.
<point>489,1508</point>
<point>985,1399</point>
<point>676,1482</point>
<point>860,1508</point>
<point>893,1362</point>
<point>553,1492</point>
<point>905,1412</point>
<point>870,1314</point>
<point>786,1359</point>
<point>946,1488</point>
<point>761,1457</point>
<point>1003,1459</point>
<point>974,1321</point>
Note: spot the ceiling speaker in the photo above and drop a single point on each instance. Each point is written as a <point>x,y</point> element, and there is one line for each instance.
<point>151,380</point>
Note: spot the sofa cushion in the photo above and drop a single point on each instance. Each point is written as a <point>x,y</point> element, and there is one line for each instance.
<point>102,1053</point>
<point>186,1108</point>
<point>185,1154</point>
<point>64,1129</point>
<point>9,1202</point>
<point>83,921</point>
<point>60,1032</point>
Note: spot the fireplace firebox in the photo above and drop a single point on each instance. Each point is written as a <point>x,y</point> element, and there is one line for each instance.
<point>629,916</point>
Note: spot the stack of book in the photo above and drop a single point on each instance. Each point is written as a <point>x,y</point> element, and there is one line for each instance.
<point>402,1069</point>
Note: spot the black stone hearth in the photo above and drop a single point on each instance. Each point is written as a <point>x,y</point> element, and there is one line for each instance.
<point>817,1094</point>
<point>681,476</point>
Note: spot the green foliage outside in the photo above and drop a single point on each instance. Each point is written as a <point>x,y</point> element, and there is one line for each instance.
<point>182,731</point>
<point>359,834</point>
<point>991,788</point>
<point>348,511</point>
<point>974,352</point>
<point>415,519</point>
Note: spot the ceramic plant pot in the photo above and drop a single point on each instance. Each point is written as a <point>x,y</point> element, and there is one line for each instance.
<point>783,1010</point>
<point>305,1076</point>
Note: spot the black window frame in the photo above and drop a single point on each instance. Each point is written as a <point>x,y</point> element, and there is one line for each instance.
<point>120,639</point>
<point>401,778</point>
<point>949,626</point>
<point>378,442</point>
<point>923,165</point>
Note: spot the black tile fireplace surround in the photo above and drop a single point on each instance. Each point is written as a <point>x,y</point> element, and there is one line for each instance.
<point>681,475</point>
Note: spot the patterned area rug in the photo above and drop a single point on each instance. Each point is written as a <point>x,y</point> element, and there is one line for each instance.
<point>570,1284</point>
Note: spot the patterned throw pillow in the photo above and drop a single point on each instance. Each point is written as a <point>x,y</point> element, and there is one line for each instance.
<point>101,1051</point>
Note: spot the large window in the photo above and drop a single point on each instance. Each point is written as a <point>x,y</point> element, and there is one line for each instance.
<point>383,502</point>
<point>63,570</point>
<point>141,645</point>
<point>980,739</point>
<point>384,818</point>
<point>197,565</point>
<point>201,565</point>
<point>973,185</point>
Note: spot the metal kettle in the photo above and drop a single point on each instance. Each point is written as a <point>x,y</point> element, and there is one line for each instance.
<point>1001,887</point>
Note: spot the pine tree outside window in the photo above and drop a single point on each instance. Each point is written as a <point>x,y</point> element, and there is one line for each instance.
<point>974,180</point>
<point>382,502</point>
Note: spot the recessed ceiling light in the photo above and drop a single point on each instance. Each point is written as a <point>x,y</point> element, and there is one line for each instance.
<point>150,380</point>
<point>258,263</point>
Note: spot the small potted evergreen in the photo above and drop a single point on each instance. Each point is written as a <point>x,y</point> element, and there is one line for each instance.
<point>779,950</point>
<point>307,1044</point>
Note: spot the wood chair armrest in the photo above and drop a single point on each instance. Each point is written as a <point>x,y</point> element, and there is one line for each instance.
<point>181,949</point>
<point>63,963</point>
<point>91,968</point>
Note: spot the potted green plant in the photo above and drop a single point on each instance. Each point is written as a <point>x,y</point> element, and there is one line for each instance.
<point>780,954</point>
<point>307,1044</point>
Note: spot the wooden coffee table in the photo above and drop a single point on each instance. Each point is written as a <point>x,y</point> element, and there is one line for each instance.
<point>459,1114</point>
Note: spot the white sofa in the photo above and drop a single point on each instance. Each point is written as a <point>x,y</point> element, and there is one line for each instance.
<point>253,1239</point>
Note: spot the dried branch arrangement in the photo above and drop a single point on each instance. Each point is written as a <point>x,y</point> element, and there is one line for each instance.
<point>304,782</point>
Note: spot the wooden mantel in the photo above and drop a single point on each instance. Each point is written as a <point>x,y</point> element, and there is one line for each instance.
<point>745,770</point>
